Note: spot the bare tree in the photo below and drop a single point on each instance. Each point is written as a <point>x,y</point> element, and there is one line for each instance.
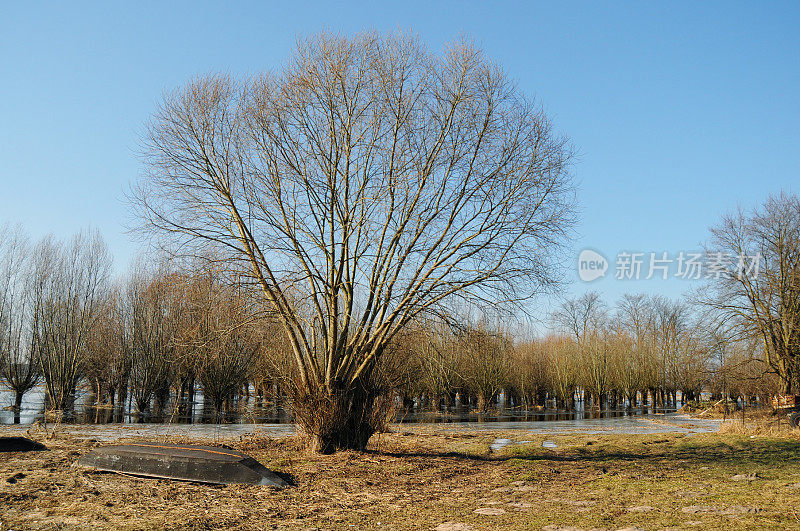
<point>430,362</point>
<point>19,366</point>
<point>107,363</point>
<point>581,316</point>
<point>69,281</point>
<point>563,368</point>
<point>153,318</point>
<point>223,337</point>
<point>586,319</point>
<point>759,293</point>
<point>365,184</point>
<point>742,372</point>
<point>636,317</point>
<point>626,372</point>
<point>486,356</point>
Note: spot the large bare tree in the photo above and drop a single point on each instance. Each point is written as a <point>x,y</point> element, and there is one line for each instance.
<point>367,182</point>
<point>759,294</point>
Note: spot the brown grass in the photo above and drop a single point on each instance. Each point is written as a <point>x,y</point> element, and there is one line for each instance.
<point>767,426</point>
<point>423,478</point>
<point>709,410</point>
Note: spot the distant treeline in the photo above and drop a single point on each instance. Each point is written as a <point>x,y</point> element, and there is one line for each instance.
<point>643,353</point>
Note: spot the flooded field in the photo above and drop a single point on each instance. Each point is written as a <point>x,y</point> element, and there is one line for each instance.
<point>253,410</point>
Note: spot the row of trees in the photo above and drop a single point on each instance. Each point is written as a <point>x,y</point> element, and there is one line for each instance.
<point>645,351</point>
<point>50,295</point>
<point>160,332</point>
<point>163,334</point>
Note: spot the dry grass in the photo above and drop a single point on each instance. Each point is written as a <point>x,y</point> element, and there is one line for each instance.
<point>716,410</point>
<point>428,477</point>
<point>767,426</point>
<point>760,421</point>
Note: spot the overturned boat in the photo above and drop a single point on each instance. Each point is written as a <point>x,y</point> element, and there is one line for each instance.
<point>205,464</point>
<point>20,444</point>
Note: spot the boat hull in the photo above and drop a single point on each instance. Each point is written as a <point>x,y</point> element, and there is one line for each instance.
<point>205,464</point>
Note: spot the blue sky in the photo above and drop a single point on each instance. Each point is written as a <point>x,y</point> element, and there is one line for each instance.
<point>680,111</point>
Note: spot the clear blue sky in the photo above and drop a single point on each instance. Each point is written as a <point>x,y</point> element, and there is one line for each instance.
<point>680,111</point>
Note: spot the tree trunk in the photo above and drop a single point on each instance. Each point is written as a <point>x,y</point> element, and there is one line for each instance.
<point>541,396</point>
<point>482,404</point>
<point>17,406</point>
<point>450,399</point>
<point>408,402</point>
<point>122,398</point>
<point>342,420</point>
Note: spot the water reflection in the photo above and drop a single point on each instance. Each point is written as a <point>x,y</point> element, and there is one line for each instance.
<point>87,411</point>
<point>258,410</point>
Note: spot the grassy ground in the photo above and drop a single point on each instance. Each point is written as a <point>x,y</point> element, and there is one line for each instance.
<point>433,479</point>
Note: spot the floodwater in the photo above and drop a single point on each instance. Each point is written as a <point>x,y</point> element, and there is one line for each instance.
<point>256,412</point>
<point>85,413</point>
<point>642,424</point>
<point>632,425</point>
<point>273,421</point>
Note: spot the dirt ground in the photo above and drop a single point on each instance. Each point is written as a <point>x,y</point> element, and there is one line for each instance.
<point>427,478</point>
